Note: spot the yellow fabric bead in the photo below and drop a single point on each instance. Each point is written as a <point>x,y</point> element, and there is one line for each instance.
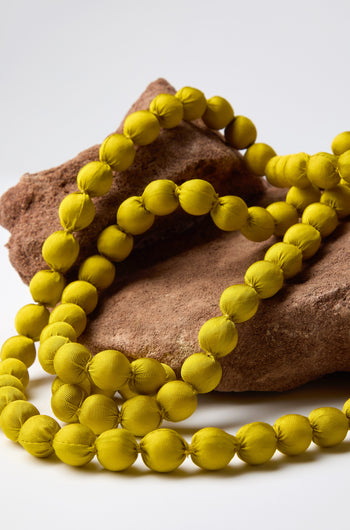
<point>30,320</point>
<point>159,197</point>
<point>16,368</point>
<point>37,434</point>
<point>344,166</point>
<point>118,152</point>
<point>115,244</point>
<point>95,178</point>
<point>14,415</point>
<point>19,347</point>
<point>169,373</point>
<point>284,216</point>
<point>109,370</point>
<point>193,101</point>
<point>177,400</point>
<point>97,270</point>
<point>241,132</point>
<point>287,257</point>
<point>9,394</point>
<point>81,293</point>
<point>259,225</point>
<point>11,380</point>
<point>212,448</point>
<point>230,213</point>
<point>47,351</point>
<point>100,413</point>
<point>341,143</point>
<point>301,198</point>
<point>202,372</point>
<point>117,449</point>
<point>142,127</point>
<point>294,434</point>
<point>265,277</point>
<point>305,237</point>
<point>58,329</point>
<point>46,287</point>
<point>140,415</point>
<point>66,402</point>
<point>70,362</point>
<point>70,313</point>
<point>274,171</point>
<point>218,113</point>
<point>329,425</point>
<point>218,336</point>
<point>147,376</point>
<point>257,156</point>
<point>197,196</point>
<point>133,217</point>
<point>75,444</point>
<point>84,385</point>
<point>339,199</point>
<point>257,443</point>
<point>320,216</point>
<point>239,302</point>
<point>295,170</point>
<point>163,450</point>
<point>322,170</point>
<point>76,211</point>
<point>60,250</point>
<point>125,392</point>
<point>346,410</point>
<point>168,109</point>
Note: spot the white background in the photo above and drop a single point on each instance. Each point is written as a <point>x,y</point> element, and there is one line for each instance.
<point>69,72</point>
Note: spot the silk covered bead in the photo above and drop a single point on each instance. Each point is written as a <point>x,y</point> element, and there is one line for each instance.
<point>97,270</point>
<point>147,376</point>
<point>257,156</point>
<point>109,370</point>
<point>12,381</point>
<point>265,277</point>
<point>259,225</point>
<point>344,166</point>
<point>341,143</point>
<point>197,196</point>
<point>58,329</point>
<point>140,415</point>
<point>14,415</point>
<point>133,217</point>
<point>169,373</point>
<point>218,336</point>
<point>47,351</point>
<point>294,434</point>
<point>230,213</point>
<point>287,257</point>
<point>159,197</point>
<point>60,250</point>
<point>202,372</point>
<point>70,362</point>
<point>320,216</point>
<point>76,211</point>
<point>73,314</point>
<point>193,101</point>
<point>218,113</point>
<point>177,400</point>
<point>305,237</point>
<point>66,402</point>
<point>75,444</point>
<point>346,410</point>
<point>30,320</point>
<point>16,368</point>
<point>212,448</point>
<point>284,215</point>
<point>117,449</point>
<point>163,450</point>
<point>115,244</point>
<point>37,434</point>
<point>81,293</point>
<point>274,171</point>
<point>168,109</point>
<point>118,152</point>
<point>240,133</point>
<point>19,347</point>
<point>301,198</point>
<point>95,178</point>
<point>257,443</point>
<point>9,394</point>
<point>100,413</point>
<point>339,199</point>
<point>239,302</point>
<point>46,287</point>
<point>84,385</point>
<point>142,127</point>
<point>322,170</point>
<point>329,426</point>
<point>295,170</point>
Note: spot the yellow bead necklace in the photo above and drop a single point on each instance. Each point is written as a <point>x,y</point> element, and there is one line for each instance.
<point>83,392</point>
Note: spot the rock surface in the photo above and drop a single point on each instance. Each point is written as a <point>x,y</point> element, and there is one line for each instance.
<point>174,279</point>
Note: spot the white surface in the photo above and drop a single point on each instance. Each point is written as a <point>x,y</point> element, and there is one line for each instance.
<point>69,72</point>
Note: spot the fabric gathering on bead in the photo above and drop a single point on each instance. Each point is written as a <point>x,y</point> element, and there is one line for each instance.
<point>112,407</point>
